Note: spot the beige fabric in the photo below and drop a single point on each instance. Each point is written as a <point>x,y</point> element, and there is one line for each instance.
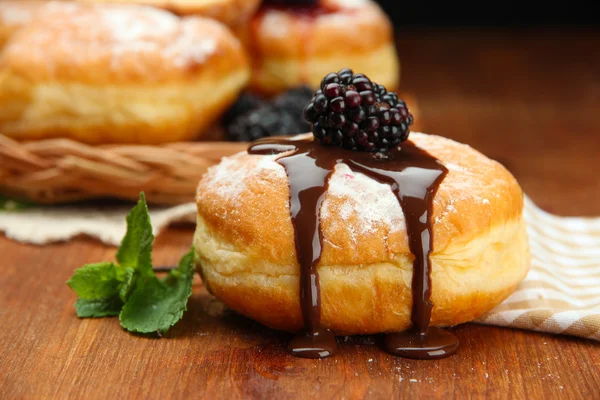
<point>561,293</point>
<point>59,223</point>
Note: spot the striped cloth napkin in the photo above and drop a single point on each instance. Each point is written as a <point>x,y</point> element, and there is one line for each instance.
<point>561,293</point>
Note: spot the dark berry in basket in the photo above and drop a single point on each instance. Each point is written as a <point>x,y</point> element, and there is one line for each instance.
<point>352,112</point>
<point>245,103</point>
<point>294,99</point>
<point>283,115</point>
<point>254,125</point>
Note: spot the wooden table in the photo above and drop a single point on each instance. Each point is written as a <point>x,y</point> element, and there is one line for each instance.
<point>530,100</point>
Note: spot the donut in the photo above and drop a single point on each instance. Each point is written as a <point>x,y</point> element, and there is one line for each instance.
<point>247,249</point>
<point>118,74</point>
<point>297,45</point>
<point>231,12</point>
<point>14,14</point>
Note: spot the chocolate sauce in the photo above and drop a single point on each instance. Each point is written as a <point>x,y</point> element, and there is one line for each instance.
<point>414,177</point>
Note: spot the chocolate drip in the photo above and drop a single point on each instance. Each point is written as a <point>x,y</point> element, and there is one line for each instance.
<point>308,184</point>
<point>414,177</point>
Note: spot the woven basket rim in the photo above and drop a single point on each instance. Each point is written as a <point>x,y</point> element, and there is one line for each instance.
<point>52,171</point>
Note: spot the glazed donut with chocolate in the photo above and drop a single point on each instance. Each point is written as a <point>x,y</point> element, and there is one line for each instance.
<point>118,74</point>
<point>15,14</point>
<point>230,12</point>
<point>361,234</point>
<point>292,43</point>
<point>245,243</point>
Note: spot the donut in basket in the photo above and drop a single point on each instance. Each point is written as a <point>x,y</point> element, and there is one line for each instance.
<point>294,42</point>
<point>230,12</point>
<point>102,74</point>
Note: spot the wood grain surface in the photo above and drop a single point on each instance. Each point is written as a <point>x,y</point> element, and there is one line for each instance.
<point>529,100</point>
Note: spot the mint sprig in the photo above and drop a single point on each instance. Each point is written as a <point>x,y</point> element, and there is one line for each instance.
<point>129,288</point>
<point>95,281</point>
<point>106,307</point>
<point>135,250</point>
<point>156,305</point>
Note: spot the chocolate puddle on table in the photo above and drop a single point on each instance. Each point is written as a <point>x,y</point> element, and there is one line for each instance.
<point>414,177</point>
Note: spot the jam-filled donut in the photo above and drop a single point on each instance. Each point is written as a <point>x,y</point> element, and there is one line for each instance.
<point>293,43</point>
<point>361,227</point>
<point>230,12</point>
<point>118,74</point>
<point>246,252</point>
<point>15,14</point>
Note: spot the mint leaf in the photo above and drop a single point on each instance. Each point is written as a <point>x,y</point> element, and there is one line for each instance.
<point>156,305</point>
<point>130,289</point>
<point>128,282</point>
<point>95,281</point>
<point>185,269</point>
<point>107,307</point>
<point>136,247</point>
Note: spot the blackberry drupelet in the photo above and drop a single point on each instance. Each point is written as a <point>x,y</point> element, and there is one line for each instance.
<point>351,111</point>
<point>260,118</point>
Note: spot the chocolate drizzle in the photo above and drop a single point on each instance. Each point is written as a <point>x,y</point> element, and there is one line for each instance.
<point>414,177</point>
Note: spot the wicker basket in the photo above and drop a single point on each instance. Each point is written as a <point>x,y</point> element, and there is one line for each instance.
<point>61,170</point>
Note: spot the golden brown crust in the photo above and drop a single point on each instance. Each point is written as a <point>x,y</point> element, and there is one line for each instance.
<point>368,298</point>
<point>247,196</point>
<point>290,47</point>
<point>15,14</point>
<point>118,74</point>
<point>103,114</point>
<point>274,76</point>
<point>245,243</point>
<point>349,27</point>
<point>120,44</point>
<point>230,12</point>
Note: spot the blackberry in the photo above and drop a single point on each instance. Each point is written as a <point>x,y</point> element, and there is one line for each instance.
<point>351,111</point>
<point>294,99</point>
<point>245,103</point>
<point>279,116</point>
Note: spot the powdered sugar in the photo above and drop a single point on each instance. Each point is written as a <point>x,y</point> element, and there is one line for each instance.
<point>154,31</point>
<point>116,23</point>
<point>274,24</point>
<point>229,178</point>
<point>189,47</point>
<point>362,204</point>
<point>373,203</point>
<point>132,39</point>
<point>124,28</point>
<point>350,3</point>
<point>449,209</point>
<point>14,14</point>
